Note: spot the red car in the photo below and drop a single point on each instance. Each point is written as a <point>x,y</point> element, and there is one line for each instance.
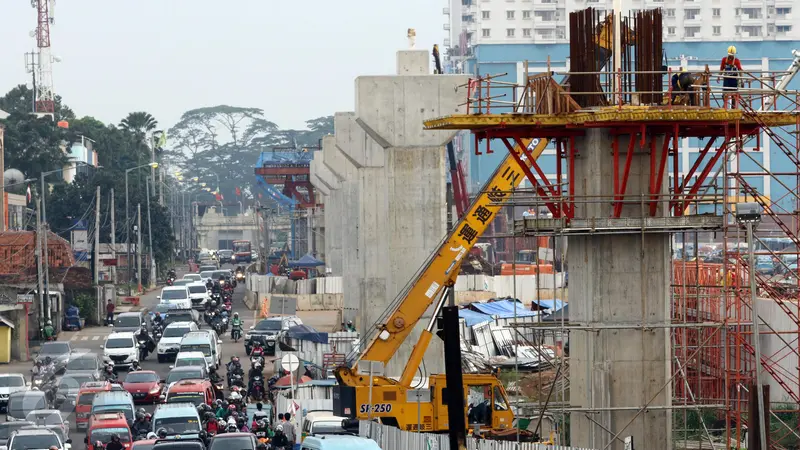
<point>144,386</point>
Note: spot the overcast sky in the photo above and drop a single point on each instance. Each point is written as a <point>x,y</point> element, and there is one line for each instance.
<point>294,59</point>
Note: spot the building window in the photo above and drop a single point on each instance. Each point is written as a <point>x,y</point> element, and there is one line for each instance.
<point>716,12</point>
<point>510,32</point>
<point>783,29</point>
<point>753,13</point>
<point>783,12</point>
<point>544,34</point>
<point>486,32</point>
<point>486,15</point>
<point>670,12</point>
<point>671,31</point>
<point>690,14</point>
<point>510,15</point>
<point>738,12</point>
<point>717,30</point>
<point>526,14</point>
<point>738,29</point>
<point>691,32</point>
<point>753,31</point>
<point>526,32</point>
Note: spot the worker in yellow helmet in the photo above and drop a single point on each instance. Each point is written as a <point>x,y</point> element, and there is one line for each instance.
<point>730,68</point>
<point>682,82</point>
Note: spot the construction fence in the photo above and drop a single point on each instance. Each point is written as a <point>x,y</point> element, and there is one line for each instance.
<point>391,438</point>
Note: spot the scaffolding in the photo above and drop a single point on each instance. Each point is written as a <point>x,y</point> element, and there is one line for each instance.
<point>713,357</point>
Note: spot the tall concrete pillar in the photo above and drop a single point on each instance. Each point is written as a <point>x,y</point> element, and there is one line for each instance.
<point>622,281</point>
<point>396,208</point>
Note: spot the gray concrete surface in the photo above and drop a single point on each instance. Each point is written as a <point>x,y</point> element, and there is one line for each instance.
<point>618,280</point>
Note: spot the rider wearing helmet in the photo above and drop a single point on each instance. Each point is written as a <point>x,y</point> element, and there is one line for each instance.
<point>115,443</point>
<point>730,68</point>
<point>49,331</point>
<point>279,440</point>
<point>236,325</point>
<point>108,373</point>
<point>144,335</point>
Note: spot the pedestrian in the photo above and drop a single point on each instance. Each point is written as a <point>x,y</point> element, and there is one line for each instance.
<point>288,428</point>
<point>280,419</point>
<point>730,68</point>
<point>109,312</point>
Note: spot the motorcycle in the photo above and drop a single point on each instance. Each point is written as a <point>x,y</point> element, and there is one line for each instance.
<point>170,281</point>
<point>256,360</point>
<point>158,331</point>
<point>236,333</point>
<point>143,350</point>
<point>257,390</point>
<point>236,379</point>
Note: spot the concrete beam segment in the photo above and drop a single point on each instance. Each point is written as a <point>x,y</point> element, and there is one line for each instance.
<point>321,171</point>
<point>413,62</point>
<point>331,154</point>
<point>359,147</point>
<point>316,181</point>
<point>620,279</point>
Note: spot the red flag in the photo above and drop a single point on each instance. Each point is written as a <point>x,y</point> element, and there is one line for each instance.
<point>260,196</point>
<point>28,194</point>
<point>218,196</point>
<point>238,191</point>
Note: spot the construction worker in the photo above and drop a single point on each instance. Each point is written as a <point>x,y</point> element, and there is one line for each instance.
<point>682,91</point>
<point>730,68</point>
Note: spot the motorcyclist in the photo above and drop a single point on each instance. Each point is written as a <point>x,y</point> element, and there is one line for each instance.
<point>38,368</point>
<point>350,326</point>
<point>171,273</point>
<point>222,409</point>
<point>49,331</point>
<point>140,425</point>
<point>236,325</point>
<point>255,371</point>
<point>210,285</point>
<point>211,423</point>
<point>135,366</point>
<point>115,443</point>
<point>261,429</point>
<point>279,441</point>
<point>258,348</point>
<point>216,379</point>
<point>157,319</point>
<point>108,374</point>
<point>234,364</point>
<point>216,288</point>
<point>162,433</point>
<point>144,335</point>
<point>49,365</point>
<point>241,423</point>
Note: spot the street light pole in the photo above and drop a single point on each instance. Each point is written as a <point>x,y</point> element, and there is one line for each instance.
<point>150,240</point>
<point>127,220</point>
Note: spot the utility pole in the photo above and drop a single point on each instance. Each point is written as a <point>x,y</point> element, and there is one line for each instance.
<point>45,259</point>
<point>39,277</point>
<point>150,240</point>
<point>139,245</point>
<point>113,240</point>
<point>96,255</point>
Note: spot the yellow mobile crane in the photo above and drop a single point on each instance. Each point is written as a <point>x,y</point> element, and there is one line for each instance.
<point>387,399</point>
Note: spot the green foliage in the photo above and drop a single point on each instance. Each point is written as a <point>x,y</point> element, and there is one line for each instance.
<point>20,100</point>
<point>87,303</point>
<point>32,144</point>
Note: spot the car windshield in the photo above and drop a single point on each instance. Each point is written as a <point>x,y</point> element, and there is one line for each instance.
<point>44,418</point>
<point>86,399</point>
<point>84,363</point>
<point>127,322</point>
<point>234,443</point>
<point>206,274</point>
<point>178,375</point>
<point>8,427</point>
<point>195,398</point>
<point>220,274</point>
<point>54,348</point>
<point>327,428</point>
<point>177,425</point>
<point>204,348</point>
<point>197,289</point>
<point>125,409</point>
<point>191,276</point>
<point>180,317</point>
<point>20,405</point>
<point>162,307</point>
<point>12,381</point>
<point>269,325</point>
<point>181,282</point>
<point>119,343</point>
<point>193,362</point>
<point>141,377</point>
<point>34,441</point>
<point>138,445</point>
<point>104,434</point>
<point>74,381</point>
<point>175,331</point>
<point>173,294</point>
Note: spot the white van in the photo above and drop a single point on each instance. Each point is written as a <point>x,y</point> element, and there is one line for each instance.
<point>177,296</point>
<point>205,341</point>
<point>198,294</point>
<point>121,348</point>
<point>184,359</point>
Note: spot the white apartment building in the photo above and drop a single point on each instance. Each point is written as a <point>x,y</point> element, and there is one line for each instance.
<point>547,21</point>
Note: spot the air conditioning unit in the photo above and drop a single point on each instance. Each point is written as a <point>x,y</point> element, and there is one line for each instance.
<point>446,11</point>
<point>447,27</point>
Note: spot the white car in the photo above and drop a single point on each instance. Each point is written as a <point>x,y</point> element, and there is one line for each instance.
<point>10,383</point>
<point>192,276</point>
<point>121,348</point>
<point>48,418</point>
<point>177,296</point>
<point>185,359</point>
<point>198,294</point>
<point>170,343</point>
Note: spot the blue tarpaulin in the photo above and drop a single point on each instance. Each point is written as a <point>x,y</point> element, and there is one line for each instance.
<point>503,309</point>
<point>306,261</point>
<point>554,304</point>
<point>307,333</point>
<point>472,317</point>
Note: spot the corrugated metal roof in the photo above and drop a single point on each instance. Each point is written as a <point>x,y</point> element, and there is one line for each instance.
<point>473,317</point>
<point>502,309</point>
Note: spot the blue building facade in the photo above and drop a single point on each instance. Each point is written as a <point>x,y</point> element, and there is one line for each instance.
<point>507,59</point>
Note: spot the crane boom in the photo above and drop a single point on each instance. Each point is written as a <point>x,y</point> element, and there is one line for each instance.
<point>443,266</point>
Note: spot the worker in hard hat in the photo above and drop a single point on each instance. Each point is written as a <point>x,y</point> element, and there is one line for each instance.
<point>682,90</point>
<point>730,68</point>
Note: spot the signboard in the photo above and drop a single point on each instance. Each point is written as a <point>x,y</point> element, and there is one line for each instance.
<point>290,362</point>
<point>24,298</point>
<point>283,305</point>
<point>110,262</point>
<point>5,299</point>
<point>80,241</point>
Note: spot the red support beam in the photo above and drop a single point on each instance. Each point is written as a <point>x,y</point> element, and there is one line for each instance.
<point>702,177</point>
<point>571,181</point>
<point>559,153</point>
<point>541,192</point>
<point>282,170</point>
<point>675,162</point>
<point>615,163</point>
<point>556,197</point>
<point>625,174</point>
<point>655,187</point>
<point>688,176</point>
<point>653,174</point>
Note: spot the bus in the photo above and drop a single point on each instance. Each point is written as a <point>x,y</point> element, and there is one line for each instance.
<point>241,249</point>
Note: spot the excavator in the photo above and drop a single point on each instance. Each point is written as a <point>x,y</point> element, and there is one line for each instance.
<point>361,396</point>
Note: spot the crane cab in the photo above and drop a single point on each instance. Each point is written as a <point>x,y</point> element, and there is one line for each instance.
<point>395,405</point>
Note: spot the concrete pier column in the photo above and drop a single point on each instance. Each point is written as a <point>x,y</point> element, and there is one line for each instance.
<point>618,280</point>
<point>394,188</point>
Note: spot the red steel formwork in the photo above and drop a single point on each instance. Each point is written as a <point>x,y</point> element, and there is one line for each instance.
<point>712,341</point>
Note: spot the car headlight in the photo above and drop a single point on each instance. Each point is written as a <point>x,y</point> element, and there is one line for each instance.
<point>270,343</point>
<point>154,390</point>
<point>247,336</point>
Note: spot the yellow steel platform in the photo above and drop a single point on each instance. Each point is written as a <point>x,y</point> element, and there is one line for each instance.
<point>632,114</point>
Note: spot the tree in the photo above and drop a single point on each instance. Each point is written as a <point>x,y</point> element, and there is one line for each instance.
<point>20,100</point>
<point>33,144</point>
<point>138,122</point>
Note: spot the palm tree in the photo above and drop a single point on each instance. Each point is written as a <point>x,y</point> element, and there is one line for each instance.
<point>139,123</point>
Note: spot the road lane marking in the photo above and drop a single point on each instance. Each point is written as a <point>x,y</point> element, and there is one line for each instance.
<point>94,338</point>
<point>74,337</point>
<point>84,338</point>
